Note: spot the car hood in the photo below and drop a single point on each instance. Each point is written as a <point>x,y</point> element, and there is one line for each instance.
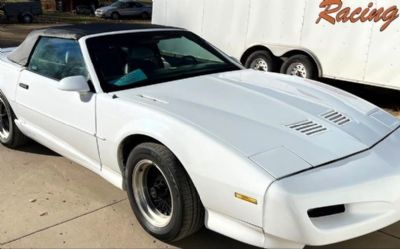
<point>106,9</point>
<point>256,112</point>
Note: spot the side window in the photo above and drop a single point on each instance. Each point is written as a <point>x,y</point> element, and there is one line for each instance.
<point>57,58</point>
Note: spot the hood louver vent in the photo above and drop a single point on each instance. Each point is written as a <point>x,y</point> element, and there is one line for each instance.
<point>308,127</point>
<point>336,117</point>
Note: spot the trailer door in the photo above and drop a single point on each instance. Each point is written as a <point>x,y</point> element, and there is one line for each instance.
<point>384,53</point>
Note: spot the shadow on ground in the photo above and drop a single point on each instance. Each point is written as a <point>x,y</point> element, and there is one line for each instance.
<point>209,239</point>
<point>35,148</point>
<point>382,97</point>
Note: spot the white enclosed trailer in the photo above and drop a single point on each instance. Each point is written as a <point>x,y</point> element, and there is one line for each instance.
<point>350,40</point>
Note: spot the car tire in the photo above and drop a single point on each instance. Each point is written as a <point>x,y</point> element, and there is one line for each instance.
<point>115,16</point>
<point>261,60</point>
<point>26,18</point>
<point>161,194</point>
<point>301,66</point>
<point>145,15</point>
<point>10,135</point>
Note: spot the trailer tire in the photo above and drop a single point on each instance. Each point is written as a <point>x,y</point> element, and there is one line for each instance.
<point>261,60</point>
<point>300,65</point>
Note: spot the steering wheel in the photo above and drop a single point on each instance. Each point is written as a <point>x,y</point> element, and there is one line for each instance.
<point>190,60</point>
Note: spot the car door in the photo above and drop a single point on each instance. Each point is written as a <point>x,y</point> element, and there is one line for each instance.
<point>61,120</point>
<point>134,8</point>
<point>124,9</point>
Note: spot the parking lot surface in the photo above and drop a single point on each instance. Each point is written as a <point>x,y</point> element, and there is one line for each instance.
<point>49,202</point>
<point>46,201</point>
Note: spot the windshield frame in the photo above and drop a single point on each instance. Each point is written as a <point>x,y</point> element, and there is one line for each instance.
<point>231,65</point>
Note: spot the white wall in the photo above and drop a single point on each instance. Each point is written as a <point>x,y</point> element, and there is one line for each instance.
<point>384,54</point>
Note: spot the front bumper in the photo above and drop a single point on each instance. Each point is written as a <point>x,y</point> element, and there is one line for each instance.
<point>101,14</point>
<point>367,184</point>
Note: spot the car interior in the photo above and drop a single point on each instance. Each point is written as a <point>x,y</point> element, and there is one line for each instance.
<point>148,58</point>
<point>57,59</point>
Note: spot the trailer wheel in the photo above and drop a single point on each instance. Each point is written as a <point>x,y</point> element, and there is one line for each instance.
<point>261,60</point>
<point>301,66</point>
<point>26,18</point>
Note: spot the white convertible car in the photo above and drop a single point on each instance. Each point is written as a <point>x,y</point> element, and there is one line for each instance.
<point>195,139</point>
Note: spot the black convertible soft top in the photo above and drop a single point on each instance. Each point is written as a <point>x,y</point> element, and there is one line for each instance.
<point>21,54</point>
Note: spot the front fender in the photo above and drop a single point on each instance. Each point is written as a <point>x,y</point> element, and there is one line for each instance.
<point>217,170</point>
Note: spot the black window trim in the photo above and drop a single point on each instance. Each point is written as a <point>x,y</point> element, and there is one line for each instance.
<point>90,82</point>
<point>214,51</point>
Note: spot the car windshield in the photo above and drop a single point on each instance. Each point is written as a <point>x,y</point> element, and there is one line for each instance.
<point>118,4</point>
<point>130,60</point>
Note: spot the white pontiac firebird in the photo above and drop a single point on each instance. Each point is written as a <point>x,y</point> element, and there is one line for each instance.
<point>195,139</point>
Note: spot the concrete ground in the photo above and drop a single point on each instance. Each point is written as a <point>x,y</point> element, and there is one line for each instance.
<point>49,202</point>
<point>46,201</point>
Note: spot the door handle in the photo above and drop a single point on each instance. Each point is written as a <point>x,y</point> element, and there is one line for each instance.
<point>24,86</point>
